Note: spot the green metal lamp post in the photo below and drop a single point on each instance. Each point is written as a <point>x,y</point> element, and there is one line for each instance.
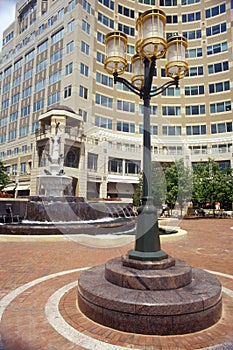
<point>150,46</point>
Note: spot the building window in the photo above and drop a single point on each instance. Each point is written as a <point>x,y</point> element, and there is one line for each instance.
<point>217,48</point>
<point>171,111</point>
<point>55,77</point>
<point>24,148</point>
<point>67,91</point>
<point>14,169</point>
<point>69,68</point>
<point>12,135</point>
<point>5,103</point>
<point>103,100</point>
<point>219,87</point>
<point>107,3</point>
<point>28,74</point>
<point>60,13</point>
<point>57,36</point>
<point>125,127</point>
<point>215,11</point>
<point>194,90</point>
<point>126,29</point>
<point>191,17</point>
<point>50,21</point>
<point>25,111</point>
<point>35,126</point>
<point>132,167</point>
<point>125,106</point>
<point>195,110</point>
<point>216,29</point>
<point>23,131</point>
<point>6,87</point>
<point>29,56</point>
<point>70,47</point>
<point>220,107</point>
<point>115,165</point>
<point>218,67</point>
<point>85,48</point>
<point>71,5</point>
<point>219,128</point>
<point>40,85</point>
<point>18,64</point>
<point>27,92</point>
<point>100,57</point>
<point>171,130</point>
<point>168,2</point>
<point>125,11</point>
<point>54,98</point>
<point>195,71</point>
<point>92,161</point>
<point>104,79</point>
<point>86,6</point>
<point>195,130</point>
<point>13,116</point>
<point>83,92</point>
<point>194,53</point>
<point>42,47</point>
<point>103,122</point>
<point>100,37</point>
<point>105,20</point>
<point>23,168</point>
<point>84,69</point>
<point>189,2</point>
<point>41,29</point>
<point>193,34</point>
<point>86,27</point>
<point>70,26</point>
<point>41,66</point>
<point>38,105</point>
<point>171,91</point>
<point>56,56</point>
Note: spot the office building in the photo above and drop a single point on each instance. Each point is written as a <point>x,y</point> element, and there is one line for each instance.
<point>52,73</point>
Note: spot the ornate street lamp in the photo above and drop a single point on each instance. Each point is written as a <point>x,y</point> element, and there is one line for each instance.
<point>150,46</point>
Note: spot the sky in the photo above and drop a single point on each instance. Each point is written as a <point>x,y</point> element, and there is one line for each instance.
<point>7,15</point>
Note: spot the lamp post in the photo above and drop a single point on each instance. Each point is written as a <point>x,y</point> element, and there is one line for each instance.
<point>150,46</point>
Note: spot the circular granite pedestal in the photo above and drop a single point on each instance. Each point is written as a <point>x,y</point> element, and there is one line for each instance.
<point>177,299</point>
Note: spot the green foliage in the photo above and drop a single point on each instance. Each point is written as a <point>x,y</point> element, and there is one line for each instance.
<point>159,188</point>
<point>179,184</point>
<point>211,184</point>
<point>4,179</point>
<point>138,193</point>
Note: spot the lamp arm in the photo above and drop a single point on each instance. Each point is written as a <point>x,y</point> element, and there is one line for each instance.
<point>132,88</point>
<point>162,88</point>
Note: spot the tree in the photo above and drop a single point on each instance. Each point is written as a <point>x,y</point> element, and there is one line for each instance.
<point>138,193</point>
<point>4,179</point>
<point>159,187</point>
<point>211,184</point>
<point>179,184</point>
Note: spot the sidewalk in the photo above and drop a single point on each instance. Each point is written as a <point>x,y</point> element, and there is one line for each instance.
<point>38,290</point>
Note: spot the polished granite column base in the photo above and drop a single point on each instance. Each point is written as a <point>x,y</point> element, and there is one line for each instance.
<point>177,299</point>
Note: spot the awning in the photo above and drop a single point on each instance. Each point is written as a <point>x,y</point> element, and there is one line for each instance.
<point>23,188</point>
<point>9,188</point>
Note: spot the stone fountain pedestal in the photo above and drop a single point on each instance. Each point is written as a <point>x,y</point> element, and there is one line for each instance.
<point>167,297</point>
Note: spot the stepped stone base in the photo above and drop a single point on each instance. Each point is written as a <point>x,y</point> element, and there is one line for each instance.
<point>177,299</point>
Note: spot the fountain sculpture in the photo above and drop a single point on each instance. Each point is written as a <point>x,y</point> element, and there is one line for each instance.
<point>54,182</point>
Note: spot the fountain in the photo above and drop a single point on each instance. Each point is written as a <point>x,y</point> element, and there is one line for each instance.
<point>54,182</point>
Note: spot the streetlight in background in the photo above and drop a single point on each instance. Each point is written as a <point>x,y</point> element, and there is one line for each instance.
<point>150,46</point>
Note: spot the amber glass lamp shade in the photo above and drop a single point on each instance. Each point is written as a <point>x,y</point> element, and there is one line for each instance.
<point>151,28</point>
<point>138,71</point>
<point>176,65</point>
<point>116,47</point>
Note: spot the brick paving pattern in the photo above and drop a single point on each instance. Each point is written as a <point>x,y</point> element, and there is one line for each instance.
<point>24,326</point>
